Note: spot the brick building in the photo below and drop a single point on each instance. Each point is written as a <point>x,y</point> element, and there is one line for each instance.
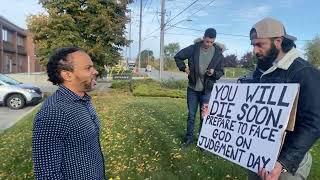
<point>16,49</point>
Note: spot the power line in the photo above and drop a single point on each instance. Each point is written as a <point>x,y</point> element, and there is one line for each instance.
<point>201,8</point>
<point>179,34</point>
<point>186,28</point>
<point>181,11</point>
<point>174,17</point>
<point>208,4</point>
<point>305,40</point>
<point>150,4</point>
<point>227,34</point>
<point>182,34</point>
<point>145,4</point>
<point>155,14</point>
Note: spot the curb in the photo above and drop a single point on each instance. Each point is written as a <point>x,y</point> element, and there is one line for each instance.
<point>21,116</point>
<point>28,112</point>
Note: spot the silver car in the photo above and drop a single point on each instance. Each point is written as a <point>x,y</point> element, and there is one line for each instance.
<point>16,95</point>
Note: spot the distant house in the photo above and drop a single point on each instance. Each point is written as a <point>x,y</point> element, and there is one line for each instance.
<point>16,49</point>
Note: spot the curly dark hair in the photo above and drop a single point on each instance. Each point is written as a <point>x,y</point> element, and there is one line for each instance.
<point>59,61</point>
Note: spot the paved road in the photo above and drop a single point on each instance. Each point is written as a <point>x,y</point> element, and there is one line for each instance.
<point>166,75</point>
<point>9,117</point>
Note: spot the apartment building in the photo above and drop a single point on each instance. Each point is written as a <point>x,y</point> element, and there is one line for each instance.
<point>16,49</point>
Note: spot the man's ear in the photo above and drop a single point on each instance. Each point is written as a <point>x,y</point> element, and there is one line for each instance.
<point>66,75</point>
<point>278,42</point>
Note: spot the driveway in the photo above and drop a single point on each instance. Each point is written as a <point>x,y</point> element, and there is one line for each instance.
<point>9,117</point>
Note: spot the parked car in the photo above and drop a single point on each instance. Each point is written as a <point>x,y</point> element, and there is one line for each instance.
<point>249,78</point>
<point>246,78</point>
<point>148,68</point>
<point>16,95</point>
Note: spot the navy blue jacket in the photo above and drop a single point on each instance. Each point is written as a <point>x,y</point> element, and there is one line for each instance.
<point>307,128</point>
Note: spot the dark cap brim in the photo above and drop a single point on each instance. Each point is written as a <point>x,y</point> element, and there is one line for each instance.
<point>290,37</point>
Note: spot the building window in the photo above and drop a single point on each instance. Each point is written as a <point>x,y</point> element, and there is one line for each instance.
<point>20,41</point>
<point>7,35</point>
<point>4,35</point>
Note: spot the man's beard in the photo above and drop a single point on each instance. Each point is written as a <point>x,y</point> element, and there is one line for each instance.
<point>265,62</point>
<point>89,86</point>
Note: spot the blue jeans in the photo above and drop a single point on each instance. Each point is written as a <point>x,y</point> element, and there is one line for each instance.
<point>194,99</point>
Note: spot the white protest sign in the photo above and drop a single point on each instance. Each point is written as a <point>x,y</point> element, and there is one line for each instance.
<point>246,122</point>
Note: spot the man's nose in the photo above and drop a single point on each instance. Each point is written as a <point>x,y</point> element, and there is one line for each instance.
<point>95,72</point>
<point>255,50</point>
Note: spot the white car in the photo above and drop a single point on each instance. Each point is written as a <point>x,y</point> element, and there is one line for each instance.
<point>16,95</point>
<point>148,68</point>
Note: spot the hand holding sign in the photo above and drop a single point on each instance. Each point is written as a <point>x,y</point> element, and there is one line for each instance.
<point>210,72</point>
<point>204,111</point>
<point>274,174</point>
<point>187,70</point>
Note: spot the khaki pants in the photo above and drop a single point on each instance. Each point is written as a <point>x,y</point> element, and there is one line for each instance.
<point>301,174</point>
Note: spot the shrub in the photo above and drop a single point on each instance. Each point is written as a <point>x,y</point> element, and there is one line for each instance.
<point>175,84</point>
<point>146,90</point>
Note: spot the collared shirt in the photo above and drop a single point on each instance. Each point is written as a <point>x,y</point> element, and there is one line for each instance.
<point>65,142</point>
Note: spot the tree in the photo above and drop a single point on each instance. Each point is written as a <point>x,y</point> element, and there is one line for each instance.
<point>146,58</point>
<point>230,61</point>
<point>248,61</point>
<point>96,26</point>
<point>313,51</point>
<point>170,51</point>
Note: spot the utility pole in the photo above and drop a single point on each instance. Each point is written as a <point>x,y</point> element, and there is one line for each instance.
<point>162,27</point>
<point>148,57</point>
<point>130,22</point>
<point>140,29</point>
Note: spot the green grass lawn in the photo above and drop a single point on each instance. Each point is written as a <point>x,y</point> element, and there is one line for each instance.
<point>140,138</point>
<point>234,72</point>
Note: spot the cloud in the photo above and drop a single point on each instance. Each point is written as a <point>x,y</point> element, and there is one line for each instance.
<point>288,3</point>
<point>251,14</point>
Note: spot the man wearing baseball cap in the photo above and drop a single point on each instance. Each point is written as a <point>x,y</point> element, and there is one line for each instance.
<point>280,62</point>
